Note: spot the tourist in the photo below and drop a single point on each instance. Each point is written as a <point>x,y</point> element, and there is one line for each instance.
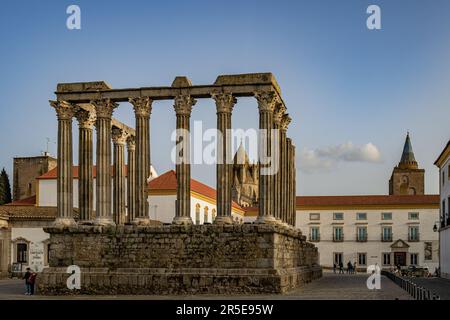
<point>27,281</point>
<point>349,267</point>
<point>354,268</point>
<point>341,267</point>
<point>334,267</point>
<point>32,281</point>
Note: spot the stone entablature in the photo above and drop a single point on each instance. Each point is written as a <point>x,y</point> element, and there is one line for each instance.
<point>180,259</point>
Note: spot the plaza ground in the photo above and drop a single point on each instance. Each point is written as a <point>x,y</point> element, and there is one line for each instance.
<point>330,286</point>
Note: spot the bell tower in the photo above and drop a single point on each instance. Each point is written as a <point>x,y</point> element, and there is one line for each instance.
<point>407,178</point>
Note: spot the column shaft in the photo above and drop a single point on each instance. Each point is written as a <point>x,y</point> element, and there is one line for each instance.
<point>131,180</point>
<point>266,105</point>
<point>224,105</point>
<point>119,138</point>
<point>86,120</point>
<point>183,107</point>
<point>289,182</point>
<point>142,109</point>
<point>65,111</point>
<point>294,196</point>
<point>277,190</point>
<point>104,109</point>
<point>285,120</point>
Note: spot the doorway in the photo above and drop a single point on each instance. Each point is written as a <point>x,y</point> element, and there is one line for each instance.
<point>400,258</point>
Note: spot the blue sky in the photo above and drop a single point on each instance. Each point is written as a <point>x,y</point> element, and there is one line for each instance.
<point>340,81</point>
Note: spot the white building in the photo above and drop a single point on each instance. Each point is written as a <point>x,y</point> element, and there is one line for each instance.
<point>443,163</point>
<point>389,230</point>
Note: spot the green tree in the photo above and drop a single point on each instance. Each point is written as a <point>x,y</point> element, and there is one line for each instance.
<point>5,188</point>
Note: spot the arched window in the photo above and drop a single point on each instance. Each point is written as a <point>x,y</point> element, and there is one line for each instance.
<point>197,213</point>
<point>205,215</point>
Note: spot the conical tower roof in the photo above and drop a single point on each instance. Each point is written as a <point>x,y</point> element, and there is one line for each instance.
<point>408,161</point>
<point>241,156</point>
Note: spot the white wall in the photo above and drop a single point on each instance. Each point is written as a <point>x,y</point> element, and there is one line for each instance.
<point>374,247</point>
<point>445,253</point>
<point>36,248</point>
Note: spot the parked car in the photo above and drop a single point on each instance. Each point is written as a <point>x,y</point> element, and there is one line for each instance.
<point>415,271</point>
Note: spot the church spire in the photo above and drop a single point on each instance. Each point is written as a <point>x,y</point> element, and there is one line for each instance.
<point>408,161</point>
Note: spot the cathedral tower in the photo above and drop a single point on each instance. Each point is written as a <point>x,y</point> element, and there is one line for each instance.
<point>407,178</point>
<point>245,180</point>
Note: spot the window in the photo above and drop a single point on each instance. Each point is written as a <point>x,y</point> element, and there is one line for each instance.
<point>386,233</point>
<point>414,258</point>
<point>386,216</point>
<point>362,258</point>
<point>361,216</point>
<point>428,251</point>
<point>361,234</point>
<point>413,233</point>
<point>338,234</point>
<point>337,258</point>
<point>213,215</point>
<point>197,214</point>
<point>338,216</point>
<point>22,253</point>
<point>314,216</point>
<point>205,215</point>
<point>413,216</point>
<point>386,258</point>
<point>314,235</point>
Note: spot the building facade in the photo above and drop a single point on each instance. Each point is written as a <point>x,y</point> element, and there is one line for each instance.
<point>388,230</point>
<point>443,163</point>
<point>384,230</point>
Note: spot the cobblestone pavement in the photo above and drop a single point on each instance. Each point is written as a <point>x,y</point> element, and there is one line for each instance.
<point>331,286</point>
<point>439,286</point>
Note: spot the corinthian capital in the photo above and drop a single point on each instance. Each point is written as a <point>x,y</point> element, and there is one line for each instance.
<point>224,102</point>
<point>86,119</point>
<point>280,109</point>
<point>118,135</point>
<point>64,110</point>
<point>142,106</point>
<point>131,143</point>
<point>266,100</point>
<point>183,104</point>
<point>285,120</point>
<point>104,107</point>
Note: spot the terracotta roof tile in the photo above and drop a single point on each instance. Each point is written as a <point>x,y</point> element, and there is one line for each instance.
<point>53,174</point>
<point>367,200</point>
<point>168,182</point>
<point>30,201</point>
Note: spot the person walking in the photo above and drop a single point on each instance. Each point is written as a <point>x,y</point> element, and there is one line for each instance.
<point>27,282</point>
<point>334,267</point>
<point>341,268</point>
<point>354,268</point>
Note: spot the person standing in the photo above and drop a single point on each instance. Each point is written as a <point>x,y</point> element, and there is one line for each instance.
<point>334,267</point>
<point>354,268</point>
<point>32,281</point>
<point>341,268</point>
<point>27,282</point>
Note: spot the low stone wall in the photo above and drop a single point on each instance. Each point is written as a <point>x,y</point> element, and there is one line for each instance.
<point>172,259</point>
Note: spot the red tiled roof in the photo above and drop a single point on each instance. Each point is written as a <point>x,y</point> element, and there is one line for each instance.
<point>53,174</point>
<point>168,182</point>
<point>30,201</point>
<point>367,200</point>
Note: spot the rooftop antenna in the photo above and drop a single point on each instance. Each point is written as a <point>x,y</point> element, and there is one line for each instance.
<point>46,152</point>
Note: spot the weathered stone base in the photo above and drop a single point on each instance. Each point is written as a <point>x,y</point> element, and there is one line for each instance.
<point>172,259</point>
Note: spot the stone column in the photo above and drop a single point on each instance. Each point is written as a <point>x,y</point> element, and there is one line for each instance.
<point>285,120</point>
<point>288,181</point>
<point>86,121</point>
<point>104,109</point>
<point>142,109</point>
<point>65,111</point>
<point>277,190</point>
<point>183,107</point>
<point>294,196</point>
<point>119,138</point>
<point>224,106</point>
<point>131,179</point>
<point>266,105</point>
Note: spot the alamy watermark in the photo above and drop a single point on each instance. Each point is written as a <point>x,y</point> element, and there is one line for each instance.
<point>374,280</point>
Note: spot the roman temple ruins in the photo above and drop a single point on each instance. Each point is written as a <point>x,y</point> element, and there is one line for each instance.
<point>120,250</point>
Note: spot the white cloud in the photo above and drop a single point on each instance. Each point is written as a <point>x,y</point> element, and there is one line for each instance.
<point>326,159</point>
